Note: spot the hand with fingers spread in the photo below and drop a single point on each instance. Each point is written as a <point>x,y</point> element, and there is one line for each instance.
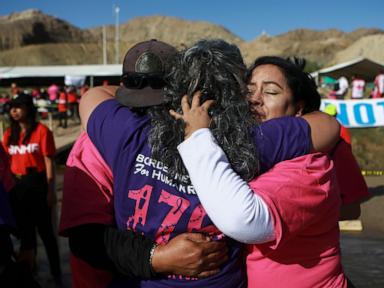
<point>195,116</point>
<point>190,254</point>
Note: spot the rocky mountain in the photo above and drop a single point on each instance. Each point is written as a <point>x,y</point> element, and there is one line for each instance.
<point>369,46</point>
<point>33,27</point>
<point>317,46</point>
<point>54,54</point>
<point>175,31</point>
<point>34,38</point>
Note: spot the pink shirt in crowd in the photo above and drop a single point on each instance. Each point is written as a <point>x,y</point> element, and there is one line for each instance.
<point>304,201</point>
<point>53,92</point>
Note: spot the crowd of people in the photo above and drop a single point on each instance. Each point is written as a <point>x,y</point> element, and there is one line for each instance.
<point>195,172</point>
<point>358,87</point>
<point>62,102</point>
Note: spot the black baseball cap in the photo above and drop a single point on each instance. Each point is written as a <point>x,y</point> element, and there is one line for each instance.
<point>21,99</point>
<point>144,68</point>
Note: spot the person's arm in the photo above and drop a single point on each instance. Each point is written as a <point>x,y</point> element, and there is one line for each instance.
<point>129,253</point>
<point>240,214</point>
<point>350,211</point>
<point>190,254</point>
<point>288,137</point>
<point>50,171</point>
<point>91,99</point>
<point>48,150</point>
<point>325,130</point>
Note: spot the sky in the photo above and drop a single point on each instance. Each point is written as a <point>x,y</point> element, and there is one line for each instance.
<point>247,19</point>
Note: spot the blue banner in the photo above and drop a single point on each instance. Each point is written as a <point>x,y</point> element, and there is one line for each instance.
<point>358,113</point>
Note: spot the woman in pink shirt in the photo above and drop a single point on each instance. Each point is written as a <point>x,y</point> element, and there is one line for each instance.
<point>296,240</point>
<point>275,71</point>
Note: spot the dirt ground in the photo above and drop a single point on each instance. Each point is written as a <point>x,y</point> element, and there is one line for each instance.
<point>372,215</point>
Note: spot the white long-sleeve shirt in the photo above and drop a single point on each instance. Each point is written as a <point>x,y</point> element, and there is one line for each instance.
<point>232,206</point>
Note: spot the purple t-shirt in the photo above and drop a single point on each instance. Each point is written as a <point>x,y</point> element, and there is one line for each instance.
<point>281,139</point>
<point>146,200</point>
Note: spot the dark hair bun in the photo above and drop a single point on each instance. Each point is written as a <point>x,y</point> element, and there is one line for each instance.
<point>298,61</point>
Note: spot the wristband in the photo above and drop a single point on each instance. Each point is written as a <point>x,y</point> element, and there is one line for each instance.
<point>151,253</point>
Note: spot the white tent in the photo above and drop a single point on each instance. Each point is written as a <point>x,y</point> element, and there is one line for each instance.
<point>365,68</point>
<point>61,71</point>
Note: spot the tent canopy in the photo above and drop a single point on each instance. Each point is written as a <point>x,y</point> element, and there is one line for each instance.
<point>60,71</point>
<point>26,76</point>
<point>363,67</point>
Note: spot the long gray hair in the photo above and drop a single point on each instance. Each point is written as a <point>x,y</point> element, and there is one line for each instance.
<point>216,68</point>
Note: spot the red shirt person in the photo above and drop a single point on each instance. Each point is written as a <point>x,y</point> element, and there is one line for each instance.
<point>31,148</point>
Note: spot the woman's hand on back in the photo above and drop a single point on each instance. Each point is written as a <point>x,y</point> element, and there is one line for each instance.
<point>195,116</point>
<point>190,254</point>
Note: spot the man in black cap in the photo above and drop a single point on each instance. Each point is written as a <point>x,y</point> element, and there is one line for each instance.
<point>88,221</point>
<point>144,67</point>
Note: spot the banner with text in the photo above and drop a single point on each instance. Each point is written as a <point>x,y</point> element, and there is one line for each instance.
<point>358,113</point>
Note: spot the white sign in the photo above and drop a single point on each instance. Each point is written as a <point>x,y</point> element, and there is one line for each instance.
<point>358,113</point>
<point>76,81</point>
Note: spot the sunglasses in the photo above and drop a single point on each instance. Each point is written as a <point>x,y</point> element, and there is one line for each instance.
<point>142,80</point>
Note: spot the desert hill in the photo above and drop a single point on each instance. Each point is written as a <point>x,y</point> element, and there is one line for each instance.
<point>317,46</point>
<point>172,30</point>
<point>34,38</point>
<point>54,54</point>
<point>33,27</point>
<point>369,46</point>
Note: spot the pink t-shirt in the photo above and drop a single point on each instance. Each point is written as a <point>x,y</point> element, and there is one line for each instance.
<point>304,200</point>
<point>87,190</point>
<point>53,92</point>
